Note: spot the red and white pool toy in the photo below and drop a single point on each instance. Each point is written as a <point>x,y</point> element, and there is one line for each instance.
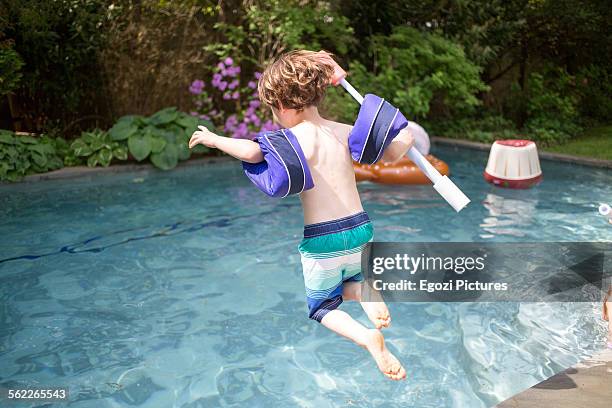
<point>513,164</point>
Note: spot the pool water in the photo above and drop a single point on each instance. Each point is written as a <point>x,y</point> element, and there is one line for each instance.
<point>184,289</point>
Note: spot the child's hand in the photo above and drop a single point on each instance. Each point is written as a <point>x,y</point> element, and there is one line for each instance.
<point>339,73</point>
<point>202,136</point>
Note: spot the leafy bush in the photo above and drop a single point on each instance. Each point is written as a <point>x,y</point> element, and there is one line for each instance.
<point>10,69</point>
<point>98,147</point>
<point>162,137</point>
<point>261,30</point>
<point>595,88</point>
<point>484,129</point>
<point>417,70</point>
<point>23,155</point>
<point>552,107</point>
<point>58,42</point>
<point>338,105</point>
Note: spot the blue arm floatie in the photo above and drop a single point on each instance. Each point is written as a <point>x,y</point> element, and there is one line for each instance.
<point>284,170</point>
<point>377,124</point>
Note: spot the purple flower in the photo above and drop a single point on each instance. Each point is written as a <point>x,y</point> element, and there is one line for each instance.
<point>257,75</point>
<point>220,66</point>
<point>229,61</point>
<point>205,117</point>
<point>241,131</point>
<point>255,103</point>
<point>233,84</point>
<point>227,96</point>
<point>231,71</point>
<point>213,112</point>
<point>222,85</point>
<point>194,113</point>
<point>196,87</point>
<point>252,84</point>
<point>236,95</point>
<point>230,123</point>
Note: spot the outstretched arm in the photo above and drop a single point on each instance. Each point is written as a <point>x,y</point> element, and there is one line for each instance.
<point>399,146</point>
<point>242,149</point>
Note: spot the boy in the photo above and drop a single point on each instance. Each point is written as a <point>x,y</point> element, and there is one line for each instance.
<point>336,227</point>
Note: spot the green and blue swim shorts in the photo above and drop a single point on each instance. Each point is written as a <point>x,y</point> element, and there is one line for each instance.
<point>331,255</point>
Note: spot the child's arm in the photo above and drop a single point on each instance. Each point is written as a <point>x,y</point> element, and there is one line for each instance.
<point>398,147</point>
<point>242,149</point>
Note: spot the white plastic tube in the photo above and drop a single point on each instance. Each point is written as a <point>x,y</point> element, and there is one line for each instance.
<point>442,184</point>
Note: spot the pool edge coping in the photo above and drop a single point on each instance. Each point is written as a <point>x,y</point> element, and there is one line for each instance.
<point>583,161</point>
<point>579,382</point>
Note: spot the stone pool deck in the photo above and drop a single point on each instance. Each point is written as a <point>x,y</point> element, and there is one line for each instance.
<point>587,384</point>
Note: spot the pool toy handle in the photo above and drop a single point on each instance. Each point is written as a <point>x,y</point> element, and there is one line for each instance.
<point>442,184</point>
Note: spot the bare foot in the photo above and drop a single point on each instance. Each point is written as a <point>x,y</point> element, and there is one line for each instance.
<point>377,313</point>
<point>387,363</point>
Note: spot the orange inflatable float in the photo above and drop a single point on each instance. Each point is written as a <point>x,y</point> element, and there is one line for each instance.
<point>403,171</point>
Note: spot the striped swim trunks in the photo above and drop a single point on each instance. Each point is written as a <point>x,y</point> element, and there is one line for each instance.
<point>331,255</point>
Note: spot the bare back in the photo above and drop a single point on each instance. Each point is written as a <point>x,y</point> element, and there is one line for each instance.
<point>335,194</point>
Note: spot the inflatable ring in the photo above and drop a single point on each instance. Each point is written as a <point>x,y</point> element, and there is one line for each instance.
<point>403,171</point>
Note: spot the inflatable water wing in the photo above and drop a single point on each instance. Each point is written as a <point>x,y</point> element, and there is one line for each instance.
<point>377,124</point>
<point>284,170</point>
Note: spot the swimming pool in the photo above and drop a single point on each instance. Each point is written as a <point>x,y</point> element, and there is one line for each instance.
<point>184,289</point>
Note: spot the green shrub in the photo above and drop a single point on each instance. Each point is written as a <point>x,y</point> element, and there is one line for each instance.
<point>23,155</point>
<point>484,129</point>
<point>417,70</point>
<point>595,88</point>
<point>98,147</point>
<point>10,69</point>
<point>162,137</point>
<point>338,105</point>
<point>552,107</point>
<point>259,31</point>
<point>58,42</point>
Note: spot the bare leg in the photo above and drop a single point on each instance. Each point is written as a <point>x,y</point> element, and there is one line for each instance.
<point>370,339</point>
<point>376,309</point>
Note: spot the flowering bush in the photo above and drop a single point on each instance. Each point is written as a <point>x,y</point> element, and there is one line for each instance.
<point>230,105</point>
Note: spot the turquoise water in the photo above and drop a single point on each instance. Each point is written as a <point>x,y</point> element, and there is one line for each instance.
<point>184,289</point>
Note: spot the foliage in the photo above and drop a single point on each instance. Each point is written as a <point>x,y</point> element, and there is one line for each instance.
<point>98,147</point>
<point>484,128</point>
<point>552,107</point>
<point>264,29</point>
<point>241,116</point>
<point>417,71</point>
<point>23,155</point>
<point>338,105</point>
<point>10,69</point>
<point>594,85</point>
<point>58,42</point>
<point>161,137</point>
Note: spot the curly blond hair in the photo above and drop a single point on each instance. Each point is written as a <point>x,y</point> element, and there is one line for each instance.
<point>295,80</point>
